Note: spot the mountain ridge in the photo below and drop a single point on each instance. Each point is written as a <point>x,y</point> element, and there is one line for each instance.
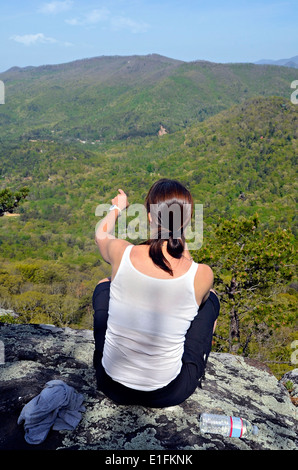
<point>94,59</point>
<point>291,62</point>
<point>278,62</point>
<point>118,97</point>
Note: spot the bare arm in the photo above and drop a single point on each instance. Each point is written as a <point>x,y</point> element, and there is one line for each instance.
<point>209,281</point>
<point>104,237</point>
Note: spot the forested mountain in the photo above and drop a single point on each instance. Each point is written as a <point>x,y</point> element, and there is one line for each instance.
<point>120,97</point>
<point>231,142</point>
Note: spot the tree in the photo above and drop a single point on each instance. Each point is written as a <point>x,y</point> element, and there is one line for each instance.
<point>9,200</point>
<point>252,269</point>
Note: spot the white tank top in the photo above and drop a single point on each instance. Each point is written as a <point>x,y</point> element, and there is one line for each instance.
<point>147,323</point>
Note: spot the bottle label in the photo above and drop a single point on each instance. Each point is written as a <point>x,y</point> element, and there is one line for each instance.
<point>236,427</point>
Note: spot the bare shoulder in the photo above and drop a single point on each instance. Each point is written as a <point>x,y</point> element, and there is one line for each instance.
<point>204,276</point>
<point>203,282</point>
<point>205,270</point>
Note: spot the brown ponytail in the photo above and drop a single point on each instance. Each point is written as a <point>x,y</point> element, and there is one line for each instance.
<point>170,205</point>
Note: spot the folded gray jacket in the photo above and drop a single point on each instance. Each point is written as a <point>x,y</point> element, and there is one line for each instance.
<point>58,406</point>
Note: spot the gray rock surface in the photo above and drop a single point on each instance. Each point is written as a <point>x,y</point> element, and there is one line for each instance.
<point>35,354</point>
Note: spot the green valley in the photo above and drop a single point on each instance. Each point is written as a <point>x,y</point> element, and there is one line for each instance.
<point>75,133</point>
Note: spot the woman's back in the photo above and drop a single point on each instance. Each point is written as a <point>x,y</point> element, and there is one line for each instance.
<point>141,260</point>
<point>148,319</point>
<point>151,343</point>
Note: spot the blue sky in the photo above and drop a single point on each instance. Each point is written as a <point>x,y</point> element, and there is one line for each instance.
<point>37,32</point>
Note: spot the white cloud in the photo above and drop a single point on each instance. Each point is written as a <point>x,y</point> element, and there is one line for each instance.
<point>120,22</point>
<point>97,15</point>
<point>39,38</point>
<point>117,23</point>
<point>114,22</point>
<point>31,39</point>
<point>91,18</point>
<point>56,7</point>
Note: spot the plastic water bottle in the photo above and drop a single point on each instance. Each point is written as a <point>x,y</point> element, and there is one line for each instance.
<point>228,426</point>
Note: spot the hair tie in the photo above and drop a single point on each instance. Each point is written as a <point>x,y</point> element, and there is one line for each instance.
<point>175,234</point>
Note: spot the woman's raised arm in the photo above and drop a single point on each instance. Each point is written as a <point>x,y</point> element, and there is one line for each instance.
<point>104,237</point>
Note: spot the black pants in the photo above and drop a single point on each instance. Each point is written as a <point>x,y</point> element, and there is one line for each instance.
<point>197,346</point>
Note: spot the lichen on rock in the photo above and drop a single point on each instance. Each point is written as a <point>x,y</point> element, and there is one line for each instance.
<point>35,354</point>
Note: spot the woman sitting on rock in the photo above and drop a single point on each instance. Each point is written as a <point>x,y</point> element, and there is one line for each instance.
<point>154,318</point>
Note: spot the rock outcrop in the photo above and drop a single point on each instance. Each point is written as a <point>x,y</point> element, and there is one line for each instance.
<point>36,354</point>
